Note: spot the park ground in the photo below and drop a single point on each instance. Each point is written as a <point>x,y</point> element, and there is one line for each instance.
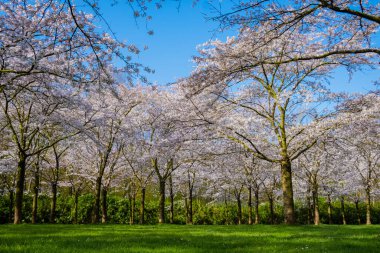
<point>181,238</point>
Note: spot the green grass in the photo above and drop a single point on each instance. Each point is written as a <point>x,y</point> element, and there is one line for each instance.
<point>181,238</point>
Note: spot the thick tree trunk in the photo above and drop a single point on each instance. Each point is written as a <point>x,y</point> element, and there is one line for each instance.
<point>250,220</point>
<point>368,207</point>
<point>161,214</point>
<point>171,192</point>
<point>357,211</point>
<point>142,207</point>
<point>53,205</point>
<point>104,205</point>
<point>257,215</point>
<point>35,195</point>
<point>316,205</point>
<point>287,191</point>
<point>343,213</point>
<point>271,210</point>
<point>98,186</point>
<point>329,208</point>
<point>20,181</point>
<point>11,201</point>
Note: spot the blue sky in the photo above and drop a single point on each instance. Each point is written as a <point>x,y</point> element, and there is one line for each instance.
<point>178,29</point>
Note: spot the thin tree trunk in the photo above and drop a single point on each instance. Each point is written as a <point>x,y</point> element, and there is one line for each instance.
<point>53,205</point>
<point>142,207</point>
<point>368,207</point>
<point>11,201</point>
<point>161,214</point>
<point>271,210</point>
<point>357,211</point>
<point>257,215</point>
<point>132,200</point>
<point>171,200</point>
<point>189,208</point>
<point>287,191</point>
<point>342,210</point>
<point>104,205</point>
<point>20,181</point>
<point>308,204</point>
<point>250,221</point>
<point>98,187</point>
<point>238,199</point>
<point>76,198</point>
<point>329,208</point>
<point>35,195</point>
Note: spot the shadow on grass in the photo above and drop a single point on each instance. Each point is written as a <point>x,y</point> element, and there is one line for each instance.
<point>167,238</point>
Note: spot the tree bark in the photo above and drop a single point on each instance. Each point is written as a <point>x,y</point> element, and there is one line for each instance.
<point>161,209</point>
<point>250,220</point>
<point>76,198</point>
<point>316,205</point>
<point>329,208</point>
<point>342,210</point>
<point>171,200</point>
<point>257,215</point>
<point>189,209</point>
<point>132,201</point>
<point>308,204</point>
<point>35,195</point>
<point>238,199</point>
<point>53,205</point>
<point>357,211</point>
<point>104,205</point>
<point>287,191</point>
<point>20,181</point>
<point>368,207</point>
<point>271,210</point>
<point>98,187</point>
<point>11,201</point>
<point>142,207</point>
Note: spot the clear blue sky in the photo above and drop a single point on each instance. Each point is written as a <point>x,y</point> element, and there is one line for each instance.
<point>177,32</point>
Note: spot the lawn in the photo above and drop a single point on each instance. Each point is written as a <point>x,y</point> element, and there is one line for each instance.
<point>181,238</point>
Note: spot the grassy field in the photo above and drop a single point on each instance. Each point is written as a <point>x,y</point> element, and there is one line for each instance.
<point>177,238</point>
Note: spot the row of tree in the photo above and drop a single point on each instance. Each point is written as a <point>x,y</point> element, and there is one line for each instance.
<point>254,115</point>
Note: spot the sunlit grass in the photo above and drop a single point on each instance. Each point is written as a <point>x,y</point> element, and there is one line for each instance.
<point>181,238</point>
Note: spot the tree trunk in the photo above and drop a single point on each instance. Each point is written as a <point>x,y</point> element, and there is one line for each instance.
<point>257,215</point>
<point>316,209</point>
<point>316,205</point>
<point>357,211</point>
<point>250,221</point>
<point>342,210</point>
<point>308,204</point>
<point>11,200</point>
<point>287,191</point>
<point>98,186</point>
<point>35,195</point>
<point>132,201</point>
<point>20,181</point>
<point>171,200</point>
<point>271,210</point>
<point>104,205</point>
<point>76,198</point>
<point>239,215</point>
<point>368,207</point>
<point>142,207</point>
<point>161,214</point>
<point>329,208</point>
<point>53,205</point>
